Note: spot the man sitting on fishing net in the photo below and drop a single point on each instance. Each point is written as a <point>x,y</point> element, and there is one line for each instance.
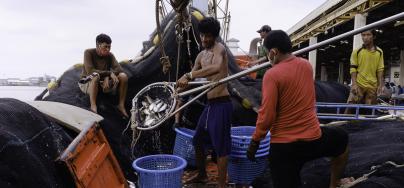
<point>102,71</point>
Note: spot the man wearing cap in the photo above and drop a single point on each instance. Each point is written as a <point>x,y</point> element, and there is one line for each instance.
<point>288,110</point>
<point>262,51</point>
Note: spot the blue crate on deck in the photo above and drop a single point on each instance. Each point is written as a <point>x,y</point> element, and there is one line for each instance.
<point>183,146</point>
<point>243,134</point>
<point>241,137</point>
<point>240,169</point>
<point>243,171</point>
<point>160,171</point>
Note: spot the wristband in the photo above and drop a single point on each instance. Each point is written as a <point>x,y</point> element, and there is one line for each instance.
<point>189,75</point>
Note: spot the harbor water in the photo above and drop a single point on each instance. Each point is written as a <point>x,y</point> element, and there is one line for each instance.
<point>23,93</point>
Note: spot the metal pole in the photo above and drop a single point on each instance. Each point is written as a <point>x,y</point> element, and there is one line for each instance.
<point>226,22</point>
<point>298,52</point>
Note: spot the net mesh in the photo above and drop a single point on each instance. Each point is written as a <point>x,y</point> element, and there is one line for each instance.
<point>29,145</point>
<point>371,144</point>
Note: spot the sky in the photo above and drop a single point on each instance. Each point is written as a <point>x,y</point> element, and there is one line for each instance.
<point>41,37</point>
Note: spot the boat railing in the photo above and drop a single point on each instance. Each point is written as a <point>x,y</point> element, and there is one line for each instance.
<point>373,112</point>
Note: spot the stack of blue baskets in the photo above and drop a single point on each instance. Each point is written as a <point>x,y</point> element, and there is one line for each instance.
<point>183,146</point>
<point>240,169</point>
<point>160,171</point>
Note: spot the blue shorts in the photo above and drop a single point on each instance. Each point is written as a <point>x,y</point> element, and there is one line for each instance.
<point>213,129</point>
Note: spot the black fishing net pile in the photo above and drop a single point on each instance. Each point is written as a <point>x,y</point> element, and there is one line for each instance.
<point>331,92</point>
<point>371,144</point>
<point>29,146</point>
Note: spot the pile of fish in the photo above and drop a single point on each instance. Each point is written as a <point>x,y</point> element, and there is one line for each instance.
<point>152,111</point>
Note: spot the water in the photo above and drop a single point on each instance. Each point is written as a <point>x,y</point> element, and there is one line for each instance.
<point>23,93</point>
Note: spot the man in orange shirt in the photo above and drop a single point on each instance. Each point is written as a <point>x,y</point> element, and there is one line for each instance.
<point>288,111</point>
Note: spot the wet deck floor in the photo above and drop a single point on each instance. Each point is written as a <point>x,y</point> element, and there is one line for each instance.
<point>212,172</point>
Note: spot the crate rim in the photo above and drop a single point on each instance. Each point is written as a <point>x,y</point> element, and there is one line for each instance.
<point>246,137</point>
<point>141,170</point>
<point>265,141</point>
<point>178,130</point>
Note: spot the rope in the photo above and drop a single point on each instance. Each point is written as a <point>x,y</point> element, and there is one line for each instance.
<point>373,170</point>
<point>135,138</point>
<point>183,25</point>
<point>196,41</point>
<point>188,28</point>
<point>179,41</point>
<point>164,60</point>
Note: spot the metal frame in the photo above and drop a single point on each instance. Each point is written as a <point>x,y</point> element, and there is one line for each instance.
<point>341,116</point>
<point>338,16</point>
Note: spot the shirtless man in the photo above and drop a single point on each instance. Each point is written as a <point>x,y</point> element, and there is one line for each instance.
<point>213,129</point>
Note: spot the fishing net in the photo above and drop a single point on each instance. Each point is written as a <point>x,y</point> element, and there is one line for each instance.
<point>373,146</point>
<point>29,146</point>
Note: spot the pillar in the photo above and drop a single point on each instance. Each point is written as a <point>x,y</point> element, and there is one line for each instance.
<point>360,21</point>
<point>323,72</point>
<point>313,55</point>
<point>341,73</point>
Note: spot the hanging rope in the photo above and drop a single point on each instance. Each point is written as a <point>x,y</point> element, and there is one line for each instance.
<point>164,60</point>
<point>188,28</point>
<point>179,6</point>
<point>183,25</point>
<point>373,170</point>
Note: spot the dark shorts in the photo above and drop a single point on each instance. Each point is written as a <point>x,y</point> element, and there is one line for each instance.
<point>213,129</point>
<point>84,87</point>
<point>287,159</point>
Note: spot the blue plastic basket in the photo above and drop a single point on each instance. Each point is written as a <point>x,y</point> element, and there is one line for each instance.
<point>243,152</point>
<point>243,134</point>
<point>183,146</point>
<point>243,171</point>
<point>235,145</point>
<point>160,171</point>
<point>241,138</point>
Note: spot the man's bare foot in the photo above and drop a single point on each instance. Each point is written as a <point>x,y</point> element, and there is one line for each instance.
<point>197,179</point>
<point>123,111</point>
<point>94,109</point>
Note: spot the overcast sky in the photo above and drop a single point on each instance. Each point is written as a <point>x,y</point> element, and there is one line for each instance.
<point>48,36</point>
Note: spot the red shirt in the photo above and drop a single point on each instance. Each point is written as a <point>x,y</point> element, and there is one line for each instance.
<point>288,103</point>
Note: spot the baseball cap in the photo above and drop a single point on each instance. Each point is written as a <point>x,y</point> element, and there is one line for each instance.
<point>265,28</point>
